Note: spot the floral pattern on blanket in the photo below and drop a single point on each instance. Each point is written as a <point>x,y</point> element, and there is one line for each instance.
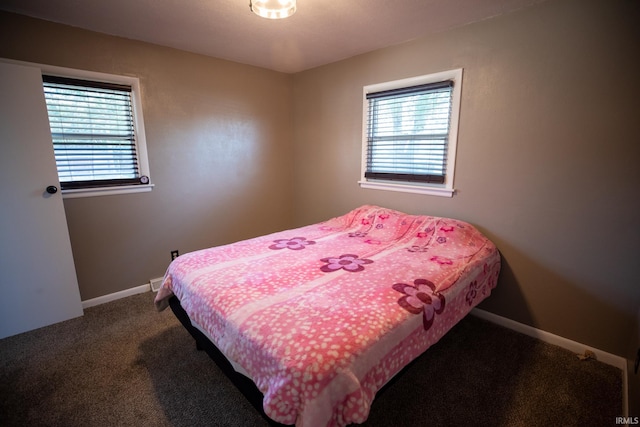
<point>295,243</point>
<point>484,282</point>
<point>347,262</point>
<point>421,297</point>
<point>317,339</point>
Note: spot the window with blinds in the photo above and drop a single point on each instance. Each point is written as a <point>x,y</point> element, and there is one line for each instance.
<point>408,133</point>
<point>93,131</point>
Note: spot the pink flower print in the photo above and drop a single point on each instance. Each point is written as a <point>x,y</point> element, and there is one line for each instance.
<point>494,275</point>
<point>421,297</point>
<point>491,273</point>
<point>416,248</point>
<point>441,239</point>
<point>383,216</point>
<point>447,229</point>
<point>347,262</point>
<point>379,226</point>
<point>441,260</point>
<point>296,243</point>
<point>373,241</point>
<point>484,273</point>
<point>472,292</point>
<point>365,221</point>
<point>426,232</point>
<point>358,234</point>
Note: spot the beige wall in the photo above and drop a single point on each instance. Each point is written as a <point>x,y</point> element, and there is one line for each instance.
<point>219,138</point>
<point>548,156</point>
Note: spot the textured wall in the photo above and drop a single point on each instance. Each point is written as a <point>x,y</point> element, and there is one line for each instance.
<point>547,160</point>
<point>219,140</point>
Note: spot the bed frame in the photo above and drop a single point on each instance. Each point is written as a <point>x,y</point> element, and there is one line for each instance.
<point>242,383</point>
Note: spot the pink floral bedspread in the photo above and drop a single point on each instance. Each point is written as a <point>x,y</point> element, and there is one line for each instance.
<point>321,317</point>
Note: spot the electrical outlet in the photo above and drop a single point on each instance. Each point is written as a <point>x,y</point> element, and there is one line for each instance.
<point>156,283</point>
<point>174,254</point>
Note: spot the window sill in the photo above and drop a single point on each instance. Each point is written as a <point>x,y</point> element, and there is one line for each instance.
<point>106,191</point>
<point>408,188</point>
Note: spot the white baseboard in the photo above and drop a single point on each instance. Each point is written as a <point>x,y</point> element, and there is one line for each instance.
<point>116,296</point>
<point>573,346</point>
<point>576,347</point>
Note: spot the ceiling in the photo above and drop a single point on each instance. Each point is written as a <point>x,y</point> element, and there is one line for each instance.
<point>320,32</point>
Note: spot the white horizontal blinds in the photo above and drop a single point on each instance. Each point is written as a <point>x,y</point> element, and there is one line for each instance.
<point>93,132</point>
<point>408,132</point>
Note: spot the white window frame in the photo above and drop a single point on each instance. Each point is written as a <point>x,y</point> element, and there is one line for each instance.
<point>141,140</point>
<point>445,189</point>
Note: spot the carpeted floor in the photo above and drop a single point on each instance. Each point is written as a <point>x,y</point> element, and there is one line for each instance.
<point>124,364</point>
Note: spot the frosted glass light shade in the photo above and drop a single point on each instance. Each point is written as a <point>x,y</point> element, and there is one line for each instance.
<point>273,9</point>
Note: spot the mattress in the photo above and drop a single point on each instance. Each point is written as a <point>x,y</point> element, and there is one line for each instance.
<point>321,317</point>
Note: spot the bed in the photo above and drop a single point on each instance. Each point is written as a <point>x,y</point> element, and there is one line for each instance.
<point>321,317</point>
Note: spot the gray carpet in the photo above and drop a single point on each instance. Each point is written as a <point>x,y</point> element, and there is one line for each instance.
<point>124,364</point>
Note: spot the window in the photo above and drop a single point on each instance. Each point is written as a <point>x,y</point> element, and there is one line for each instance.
<point>410,132</point>
<point>98,135</point>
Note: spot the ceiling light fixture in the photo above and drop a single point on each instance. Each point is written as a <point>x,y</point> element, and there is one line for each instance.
<point>273,9</point>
